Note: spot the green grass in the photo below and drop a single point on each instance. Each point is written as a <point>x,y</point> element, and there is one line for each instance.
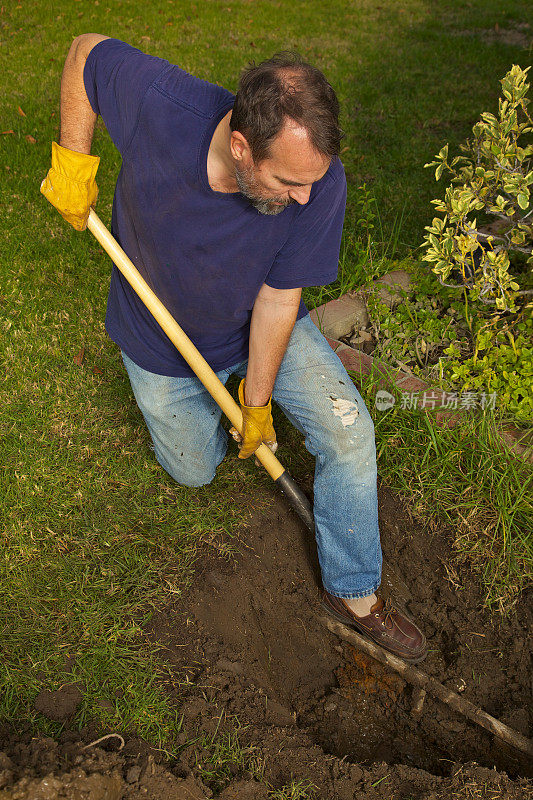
<point>296,790</point>
<point>221,755</point>
<point>95,535</point>
<point>463,478</point>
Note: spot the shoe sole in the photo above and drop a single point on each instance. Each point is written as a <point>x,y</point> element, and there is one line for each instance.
<point>363,631</point>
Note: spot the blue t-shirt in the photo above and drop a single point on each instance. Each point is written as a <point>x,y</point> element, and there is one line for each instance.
<point>204,253</point>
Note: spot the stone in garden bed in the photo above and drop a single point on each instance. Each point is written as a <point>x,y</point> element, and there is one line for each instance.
<point>391,287</point>
<point>340,317</point>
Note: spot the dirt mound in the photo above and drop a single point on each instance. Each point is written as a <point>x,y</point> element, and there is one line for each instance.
<point>42,769</point>
<point>253,663</point>
<point>60,705</point>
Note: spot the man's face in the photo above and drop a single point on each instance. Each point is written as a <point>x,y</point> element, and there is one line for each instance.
<point>285,177</point>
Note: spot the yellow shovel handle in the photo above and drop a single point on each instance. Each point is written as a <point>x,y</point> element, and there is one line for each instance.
<point>178,338</point>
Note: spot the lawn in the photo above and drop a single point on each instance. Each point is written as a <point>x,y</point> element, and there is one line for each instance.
<point>95,534</point>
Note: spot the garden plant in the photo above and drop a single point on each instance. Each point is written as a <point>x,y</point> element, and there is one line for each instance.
<point>472,331</point>
<point>483,242</point>
<point>493,179</point>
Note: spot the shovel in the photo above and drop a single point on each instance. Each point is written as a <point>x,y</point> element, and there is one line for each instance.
<point>199,366</point>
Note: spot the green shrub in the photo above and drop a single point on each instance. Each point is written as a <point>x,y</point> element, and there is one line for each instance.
<point>501,363</point>
<point>493,178</point>
<point>438,337</point>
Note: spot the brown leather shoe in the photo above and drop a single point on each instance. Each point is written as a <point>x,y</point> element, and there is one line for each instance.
<point>385,625</point>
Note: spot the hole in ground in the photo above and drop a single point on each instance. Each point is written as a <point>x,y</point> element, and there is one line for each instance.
<point>252,629</point>
<point>369,716</point>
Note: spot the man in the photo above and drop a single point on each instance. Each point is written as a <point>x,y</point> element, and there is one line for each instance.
<point>228,206</point>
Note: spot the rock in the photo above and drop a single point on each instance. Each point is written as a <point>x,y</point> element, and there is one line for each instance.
<point>391,287</point>
<point>133,774</point>
<point>363,340</point>
<point>60,705</point>
<point>339,317</point>
<point>356,773</point>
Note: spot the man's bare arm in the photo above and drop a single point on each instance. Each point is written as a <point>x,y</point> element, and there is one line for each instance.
<point>273,317</point>
<point>77,117</point>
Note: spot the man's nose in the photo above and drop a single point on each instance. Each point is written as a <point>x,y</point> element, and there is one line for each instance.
<point>300,194</point>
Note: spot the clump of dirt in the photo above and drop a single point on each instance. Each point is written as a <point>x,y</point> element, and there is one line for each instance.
<point>248,642</point>
<point>60,705</point>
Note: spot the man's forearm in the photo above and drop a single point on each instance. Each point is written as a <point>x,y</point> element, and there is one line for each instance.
<point>77,117</point>
<point>273,318</point>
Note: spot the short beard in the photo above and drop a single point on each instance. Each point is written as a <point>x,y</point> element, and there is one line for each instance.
<point>247,184</point>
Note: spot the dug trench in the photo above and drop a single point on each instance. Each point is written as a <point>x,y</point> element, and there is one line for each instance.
<point>253,630</point>
<point>248,651</point>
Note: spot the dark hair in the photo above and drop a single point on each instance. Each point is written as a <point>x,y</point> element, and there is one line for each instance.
<point>286,86</point>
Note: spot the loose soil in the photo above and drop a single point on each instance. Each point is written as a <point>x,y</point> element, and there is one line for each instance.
<point>247,643</point>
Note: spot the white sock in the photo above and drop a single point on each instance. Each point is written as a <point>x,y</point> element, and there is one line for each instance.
<point>361,605</point>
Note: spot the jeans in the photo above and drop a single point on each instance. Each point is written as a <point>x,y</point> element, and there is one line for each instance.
<point>317,395</point>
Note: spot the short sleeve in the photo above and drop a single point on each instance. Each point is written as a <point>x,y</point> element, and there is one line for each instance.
<point>310,255</point>
<point>117,77</point>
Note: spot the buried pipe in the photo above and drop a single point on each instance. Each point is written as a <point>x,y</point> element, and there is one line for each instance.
<point>429,685</point>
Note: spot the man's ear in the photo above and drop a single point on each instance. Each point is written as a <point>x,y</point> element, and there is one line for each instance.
<point>240,149</point>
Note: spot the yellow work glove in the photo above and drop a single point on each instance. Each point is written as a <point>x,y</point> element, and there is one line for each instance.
<point>257,427</point>
<point>70,184</point>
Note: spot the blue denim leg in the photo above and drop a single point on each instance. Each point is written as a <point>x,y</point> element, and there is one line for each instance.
<point>183,421</point>
<point>317,395</point>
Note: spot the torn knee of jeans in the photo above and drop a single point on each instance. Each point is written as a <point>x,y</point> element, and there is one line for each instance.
<point>346,410</point>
